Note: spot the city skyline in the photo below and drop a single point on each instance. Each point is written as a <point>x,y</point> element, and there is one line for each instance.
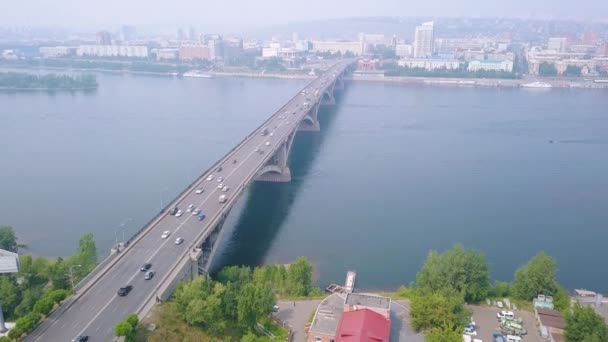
<point>224,16</point>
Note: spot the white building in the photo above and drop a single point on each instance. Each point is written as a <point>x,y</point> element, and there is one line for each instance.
<point>55,51</point>
<point>491,65</point>
<point>404,50</point>
<point>557,44</point>
<point>338,46</point>
<point>269,52</point>
<point>429,64</point>
<point>166,54</point>
<point>136,51</point>
<point>423,40</point>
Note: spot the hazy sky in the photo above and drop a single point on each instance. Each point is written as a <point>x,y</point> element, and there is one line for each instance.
<point>235,15</point>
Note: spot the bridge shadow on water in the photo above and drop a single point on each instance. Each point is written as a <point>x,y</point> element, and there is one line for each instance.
<point>254,223</point>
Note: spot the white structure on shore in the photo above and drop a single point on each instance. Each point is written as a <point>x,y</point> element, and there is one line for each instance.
<point>356,47</point>
<point>137,51</point>
<point>423,40</point>
<point>429,64</point>
<point>491,65</point>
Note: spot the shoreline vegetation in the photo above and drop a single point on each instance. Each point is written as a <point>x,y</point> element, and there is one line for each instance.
<point>42,284</point>
<point>21,81</point>
<point>392,74</point>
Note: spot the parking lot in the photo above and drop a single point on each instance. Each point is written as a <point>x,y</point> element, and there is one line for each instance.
<point>488,324</point>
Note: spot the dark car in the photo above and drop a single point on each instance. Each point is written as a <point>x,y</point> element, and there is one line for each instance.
<point>123,291</point>
<point>234,161</point>
<point>80,338</point>
<point>146,267</point>
<point>219,169</point>
<point>173,211</point>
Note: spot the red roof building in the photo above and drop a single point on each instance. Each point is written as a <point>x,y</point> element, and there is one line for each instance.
<point>363,325</point>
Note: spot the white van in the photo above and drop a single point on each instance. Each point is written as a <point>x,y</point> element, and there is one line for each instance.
<point>222,198</point>
<point>512,338</point>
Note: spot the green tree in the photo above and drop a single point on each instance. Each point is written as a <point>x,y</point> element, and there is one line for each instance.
<point>59,274</point>
<point>133,320</point>
<point>501,289</point>
<point>8,240</point>
<point>573,70</point>
<point>538,276</point>
<point>235,274</point>
<point>87,253</point>
<point>299,277</point>
<point>546,69</point>
<point>9,294</point>
<point>123,328</point>
<point>251,337</point>
<point>44,305</point>
<point>430,310</point>
<point>584,325</point>
<point>458,269</point>
<point>446,332</point>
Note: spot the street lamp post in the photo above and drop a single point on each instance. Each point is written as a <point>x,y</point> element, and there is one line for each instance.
<point>72,275</point>
<point>119,227</point>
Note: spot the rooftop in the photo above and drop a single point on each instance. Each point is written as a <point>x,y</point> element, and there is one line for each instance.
<point>363,326</point>
<point>9,262</point>
<point>328,315</point>
<point>551,318</point>
<point>369,300</point>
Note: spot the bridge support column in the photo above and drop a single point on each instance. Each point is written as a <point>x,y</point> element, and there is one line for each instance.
<point>276,169</point>
<point>328,98</point>
<point>311,121</point>
<point>339,85</point>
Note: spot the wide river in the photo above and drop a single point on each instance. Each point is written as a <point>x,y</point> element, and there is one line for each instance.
<point>395,171</point>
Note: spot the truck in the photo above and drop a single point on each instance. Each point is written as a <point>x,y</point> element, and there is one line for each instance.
<point>223,198</point>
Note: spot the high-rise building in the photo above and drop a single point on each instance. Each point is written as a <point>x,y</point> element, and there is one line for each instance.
<point>192,34</point>
<point>129,33</point>
<point>423,40</point>
<point>557,44</point>
<point>104,38</point>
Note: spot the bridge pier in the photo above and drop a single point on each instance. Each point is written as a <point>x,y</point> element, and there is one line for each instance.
<point>276,169</point>
<point>311,121</point>
<point>339,85</point>
<point>328,98</point>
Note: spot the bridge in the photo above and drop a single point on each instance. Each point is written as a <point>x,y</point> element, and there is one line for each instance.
<point>95,307</point>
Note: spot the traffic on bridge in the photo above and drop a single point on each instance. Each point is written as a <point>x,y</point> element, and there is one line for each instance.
<point>171,247</point>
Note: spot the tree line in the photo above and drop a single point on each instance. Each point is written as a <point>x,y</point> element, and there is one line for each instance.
<point>448,280</point>
<point>231,305</point>
<point>25,81</point>
<point>41,283</point>
<point>392,69</point>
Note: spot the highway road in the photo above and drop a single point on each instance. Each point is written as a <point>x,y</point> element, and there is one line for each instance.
<point>98,308</point>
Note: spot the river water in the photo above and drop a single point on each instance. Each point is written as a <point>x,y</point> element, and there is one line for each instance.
<point>396,171</point>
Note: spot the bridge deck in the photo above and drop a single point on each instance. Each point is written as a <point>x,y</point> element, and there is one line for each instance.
<point>96,308</point>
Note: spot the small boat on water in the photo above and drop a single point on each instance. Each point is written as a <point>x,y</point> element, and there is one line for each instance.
<point>197,74</point>
<point>537,85</point>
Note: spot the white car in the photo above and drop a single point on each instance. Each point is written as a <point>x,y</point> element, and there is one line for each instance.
<point>257,149</point>
<point>166,234</point>
<point>196,211</point>
<point>220,186</point>
<point>271,134</point>
<point>179,213</point>
<point>200,191</point>
<point>190,207</point>
<point>505,314</point>
<point>267,143</point>
<point>210,177</point>
<point>226,188</point>
<point>179,240</point>
<point>470,331</point>
<point>221,179</point>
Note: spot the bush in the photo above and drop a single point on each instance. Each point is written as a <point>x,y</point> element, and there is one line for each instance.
<point>44,306</point>
<point>15,333</point>
<point>123,328</point>
<point>5,339</point>
<point>28,322</point>
<point>133,320</point>
<point>57,295</point>
<point>501,289</point>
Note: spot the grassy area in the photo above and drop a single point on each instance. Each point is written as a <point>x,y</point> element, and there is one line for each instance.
<point>401,293</point>
<point>278,331</point>
<point>170,327</point>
